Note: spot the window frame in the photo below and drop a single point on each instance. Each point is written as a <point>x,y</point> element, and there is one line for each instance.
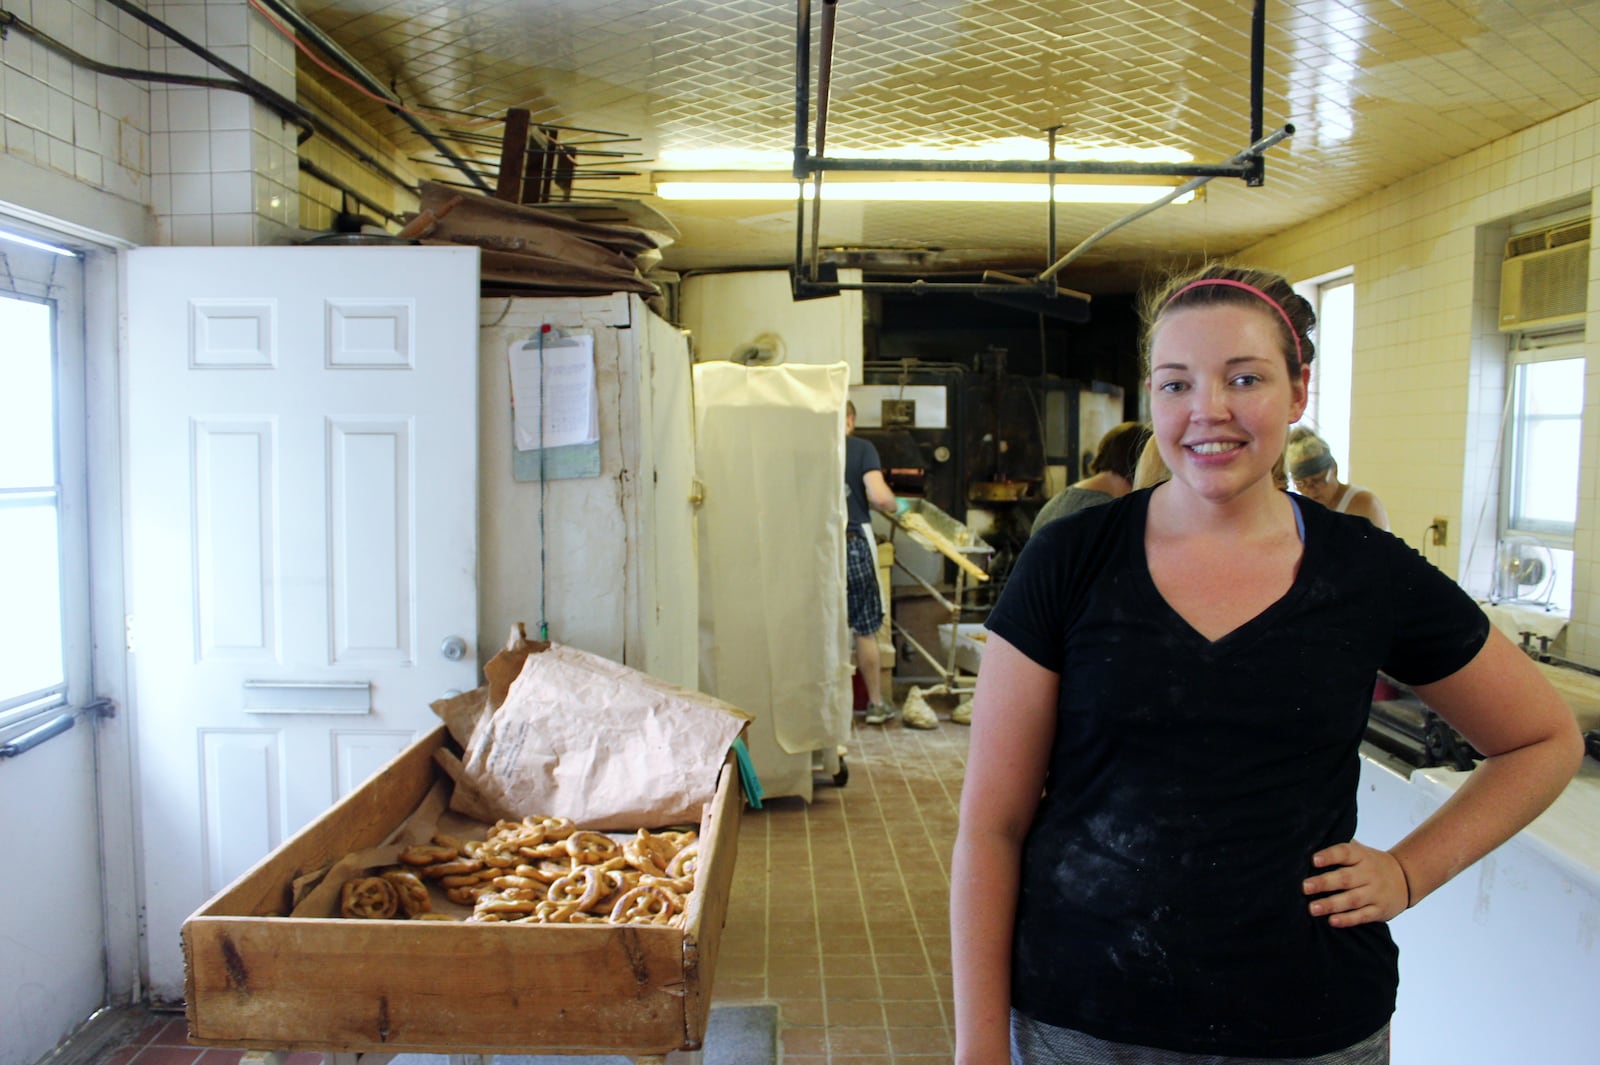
<point>1527,348</point>
<point>1339,437</point>
<point>54,275</point>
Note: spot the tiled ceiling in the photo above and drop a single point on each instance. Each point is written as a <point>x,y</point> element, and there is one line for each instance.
<point>1377,90</point>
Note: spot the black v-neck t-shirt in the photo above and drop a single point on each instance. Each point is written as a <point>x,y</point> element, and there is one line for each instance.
<point>1191,780</point>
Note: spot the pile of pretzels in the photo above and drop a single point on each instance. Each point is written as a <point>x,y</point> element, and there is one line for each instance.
<point>539,870</point>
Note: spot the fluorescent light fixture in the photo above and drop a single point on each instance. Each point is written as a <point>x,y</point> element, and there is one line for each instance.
<point>998,149</point>
<point>29,242</point>
<point>918,191</point>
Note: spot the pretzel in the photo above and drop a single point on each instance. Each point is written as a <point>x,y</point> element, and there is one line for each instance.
<point>686,862</point>
<point>452,868</point>
<point>545,870</point>
<point>466,896</point>
<point>461,880</point>
<point>548,912</point>
<point>368,897</point>
<point>493,851</point>
<point>645,904</point>
<point>554,829</point>
<point>591,848</point>
<point>411,891</point>
<point>428,854</point>
<point>511,880</point>
<point>649,854</point>
<point>580,888</point>
<point>497,902</point>
<point>617,881</point>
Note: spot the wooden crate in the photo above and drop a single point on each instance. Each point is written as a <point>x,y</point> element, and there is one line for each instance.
<point>260,980</point>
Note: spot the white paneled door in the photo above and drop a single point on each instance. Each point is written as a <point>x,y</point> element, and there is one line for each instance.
<point>302,483</point>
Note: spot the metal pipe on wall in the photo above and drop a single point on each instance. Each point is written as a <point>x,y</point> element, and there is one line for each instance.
<point>304,26</point>
<point>285,108</point>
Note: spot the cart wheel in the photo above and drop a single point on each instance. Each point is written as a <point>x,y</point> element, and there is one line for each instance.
<point>842,777</point>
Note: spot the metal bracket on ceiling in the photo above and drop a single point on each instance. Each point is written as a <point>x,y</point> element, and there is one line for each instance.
<point>811,278</point>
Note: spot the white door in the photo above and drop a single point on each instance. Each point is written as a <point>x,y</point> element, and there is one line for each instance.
<point>674,599</point>
<point>301,493</point>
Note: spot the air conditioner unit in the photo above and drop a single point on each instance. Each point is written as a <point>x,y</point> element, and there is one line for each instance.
<point>1545,279</point>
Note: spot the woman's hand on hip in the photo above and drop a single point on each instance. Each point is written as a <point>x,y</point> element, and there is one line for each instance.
<point>1359,884</point>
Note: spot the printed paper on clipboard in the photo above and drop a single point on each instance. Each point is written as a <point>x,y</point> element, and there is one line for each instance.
<point>571,404</point>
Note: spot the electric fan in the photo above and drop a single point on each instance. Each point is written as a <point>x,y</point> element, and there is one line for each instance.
<point>1524,571</point>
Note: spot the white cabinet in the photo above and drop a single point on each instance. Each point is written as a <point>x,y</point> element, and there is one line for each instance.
<point>1500,964</point>
<point>609,560</point>
<point>773,621</point>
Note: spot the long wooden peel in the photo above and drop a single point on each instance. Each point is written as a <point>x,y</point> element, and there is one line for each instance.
<point>918,527</point>
<point>427,220</point>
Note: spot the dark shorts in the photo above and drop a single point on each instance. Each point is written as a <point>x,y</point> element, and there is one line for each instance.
<point>861,586</point>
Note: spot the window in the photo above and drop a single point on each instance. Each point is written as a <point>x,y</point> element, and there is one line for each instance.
<point>1544,429</point>
<point>1328,408</point>
<point>42,554</point>
<point>1546,426</point>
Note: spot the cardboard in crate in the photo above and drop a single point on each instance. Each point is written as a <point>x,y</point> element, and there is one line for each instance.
<point>259,979</point>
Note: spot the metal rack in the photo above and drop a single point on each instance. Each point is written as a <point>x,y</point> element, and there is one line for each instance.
<point>931,528</point>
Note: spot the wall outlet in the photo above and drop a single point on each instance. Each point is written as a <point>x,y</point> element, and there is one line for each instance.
<point>1440,530</point>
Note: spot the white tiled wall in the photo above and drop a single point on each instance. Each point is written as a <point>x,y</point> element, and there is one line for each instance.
<point>87,127</point>
<point>222,166</point>
<point>213,166</point>
<point>1429,364</point>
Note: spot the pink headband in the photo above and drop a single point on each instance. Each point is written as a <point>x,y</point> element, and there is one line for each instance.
<point>1299,359</point>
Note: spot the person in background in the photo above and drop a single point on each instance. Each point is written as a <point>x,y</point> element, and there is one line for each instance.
<point>1155,859</point>
<point>1316,476</point>
<point>1150,470</point>
<point>866,490</point>
<point>1110,475</point>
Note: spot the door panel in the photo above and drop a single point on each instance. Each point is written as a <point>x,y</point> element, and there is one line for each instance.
<point>302,451</point>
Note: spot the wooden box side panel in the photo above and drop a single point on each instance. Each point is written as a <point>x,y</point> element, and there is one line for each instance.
<point>708,909</point>
<point>434,987</point>
<point>363,818</point>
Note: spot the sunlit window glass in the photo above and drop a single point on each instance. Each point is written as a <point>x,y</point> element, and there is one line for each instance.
<point>1545,446</point>
<point>31,664</point>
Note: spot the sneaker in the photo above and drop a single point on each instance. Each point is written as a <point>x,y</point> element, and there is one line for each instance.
<point>878,713</point>
<point>916,713</point>
<point>962,714</point>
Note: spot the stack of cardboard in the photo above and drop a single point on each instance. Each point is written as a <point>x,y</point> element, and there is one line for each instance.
<point>531,251</point>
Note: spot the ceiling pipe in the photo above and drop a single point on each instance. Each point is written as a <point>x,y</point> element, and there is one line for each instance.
<point>802,121</point>
<point>824,87</point>
<point>1248,165</point>
<point>305,28</point>
<point>1252,152</point>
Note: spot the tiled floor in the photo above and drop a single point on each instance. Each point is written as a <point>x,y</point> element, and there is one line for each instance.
<point>165,1041</point>
<point>839,914</point>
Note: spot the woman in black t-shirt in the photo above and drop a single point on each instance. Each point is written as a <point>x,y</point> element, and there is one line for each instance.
<point>1155,858</point>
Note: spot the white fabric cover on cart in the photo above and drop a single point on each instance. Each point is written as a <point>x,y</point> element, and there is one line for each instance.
<point>769,446</point>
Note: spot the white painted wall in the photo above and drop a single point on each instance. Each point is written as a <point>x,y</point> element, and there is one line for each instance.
<point>724,312</point>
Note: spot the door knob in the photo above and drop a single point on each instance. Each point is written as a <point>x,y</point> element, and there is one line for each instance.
<point>453,648</point>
